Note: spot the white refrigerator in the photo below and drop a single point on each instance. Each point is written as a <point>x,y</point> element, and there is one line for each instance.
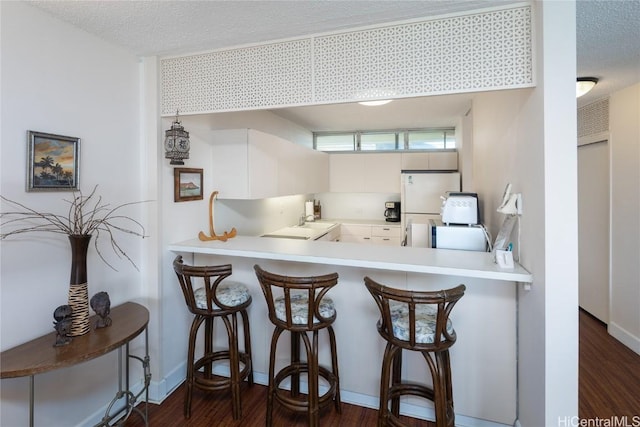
<point>420,201</point>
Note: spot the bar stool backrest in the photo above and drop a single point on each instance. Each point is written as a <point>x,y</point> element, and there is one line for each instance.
<point>442,301</point>
<point>314,288</point>
<point>212,276</point>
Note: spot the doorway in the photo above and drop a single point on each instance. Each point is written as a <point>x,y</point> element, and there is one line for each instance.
<point>594,228</point>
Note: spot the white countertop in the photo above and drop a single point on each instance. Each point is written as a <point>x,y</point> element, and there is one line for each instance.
<point>418,260</point>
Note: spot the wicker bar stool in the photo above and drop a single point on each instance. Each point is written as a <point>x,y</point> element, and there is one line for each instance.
<point>300,305</point>
<point>215,298</point>
<point>416,321</point>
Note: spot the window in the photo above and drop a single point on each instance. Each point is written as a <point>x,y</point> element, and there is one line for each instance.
<point>334,142</point>
<point>378,141</point>
<point>406,139</point>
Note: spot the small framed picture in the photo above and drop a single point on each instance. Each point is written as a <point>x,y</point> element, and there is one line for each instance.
<point>53,162</point>
<point>187,184</point>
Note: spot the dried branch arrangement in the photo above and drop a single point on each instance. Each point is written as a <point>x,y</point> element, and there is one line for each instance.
<point>87,215</point>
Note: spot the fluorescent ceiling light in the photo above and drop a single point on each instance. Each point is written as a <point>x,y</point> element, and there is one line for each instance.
<point>374,103</point>
<point>584,85</point>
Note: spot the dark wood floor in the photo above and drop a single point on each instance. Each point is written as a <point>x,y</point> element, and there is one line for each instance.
<point>609,386</point>
<point>609,374</point>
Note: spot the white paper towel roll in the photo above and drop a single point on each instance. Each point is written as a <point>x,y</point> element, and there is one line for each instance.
<point>308,210</point>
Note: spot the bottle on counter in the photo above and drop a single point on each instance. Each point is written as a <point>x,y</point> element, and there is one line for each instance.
<point>317,209</point>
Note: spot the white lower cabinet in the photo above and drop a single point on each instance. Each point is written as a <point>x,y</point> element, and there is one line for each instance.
<point>386,235</point>
<point>371,234</point>
<point>332,236</point>
<point>355,233</point>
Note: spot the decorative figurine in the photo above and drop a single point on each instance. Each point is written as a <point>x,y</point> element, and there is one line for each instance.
<point>62,325</point>
<point>101,304</point>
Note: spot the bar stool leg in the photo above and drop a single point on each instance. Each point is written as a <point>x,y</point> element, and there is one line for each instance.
<point>449,392</point>
<point>247,344</point>
<point>334,364</point>
<point>295,360</point>
<point>195,325</point>
<point>312,370</point>
<point>234,365</point>
<point>208,346</point>
<point>385,378</point>
<point>272,387</point>
<point>396,379</point>
<point>443,394</point>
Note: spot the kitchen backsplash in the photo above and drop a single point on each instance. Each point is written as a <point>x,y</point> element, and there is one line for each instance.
<point>355,205</point>
<point>256,217</point>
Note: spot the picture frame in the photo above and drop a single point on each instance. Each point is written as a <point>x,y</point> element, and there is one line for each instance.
<point>53,162</point>
<point>187,184</point>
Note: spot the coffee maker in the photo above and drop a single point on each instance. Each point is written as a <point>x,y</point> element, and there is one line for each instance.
<point>392,211</point>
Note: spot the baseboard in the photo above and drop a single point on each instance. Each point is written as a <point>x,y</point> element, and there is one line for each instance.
<point>176,377</point>
<point>97,417</point>
<point>624,336</point>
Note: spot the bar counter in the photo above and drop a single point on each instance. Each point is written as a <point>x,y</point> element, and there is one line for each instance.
<point>483,360</point>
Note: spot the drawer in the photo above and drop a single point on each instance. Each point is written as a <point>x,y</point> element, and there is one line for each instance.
<point>389,241</point>
<point>350,238</point>
<point>355,230</point>
<point>386,231</point>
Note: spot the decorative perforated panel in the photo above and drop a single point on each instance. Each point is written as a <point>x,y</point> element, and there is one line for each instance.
<point>256,77</point>
<point>476,52</point>
<point>483,51</point>
<point>593,118</point>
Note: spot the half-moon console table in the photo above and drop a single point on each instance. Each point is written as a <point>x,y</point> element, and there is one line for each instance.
<point>39,355</point>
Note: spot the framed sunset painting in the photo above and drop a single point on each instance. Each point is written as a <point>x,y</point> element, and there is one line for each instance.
<point>53,162</point>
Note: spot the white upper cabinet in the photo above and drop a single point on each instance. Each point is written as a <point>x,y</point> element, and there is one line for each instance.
<point>249,164</point>
<point>437,160</point>
<point>380,172</point>
<point>346,173</point>
<point>364,173</point>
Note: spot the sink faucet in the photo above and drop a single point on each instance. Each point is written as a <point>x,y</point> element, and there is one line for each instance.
<point>304,218</point>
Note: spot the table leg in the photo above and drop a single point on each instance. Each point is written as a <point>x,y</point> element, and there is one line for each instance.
<point>31,397</point>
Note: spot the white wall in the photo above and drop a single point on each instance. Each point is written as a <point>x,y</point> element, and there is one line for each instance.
<point>624,130</point>
<point>527,137</point>
<point>58,79</point>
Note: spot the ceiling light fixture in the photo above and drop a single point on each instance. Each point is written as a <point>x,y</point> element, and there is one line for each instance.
<point>375,103</point>
<point>584,85</point>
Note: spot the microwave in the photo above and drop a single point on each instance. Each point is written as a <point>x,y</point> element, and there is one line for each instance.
<point>461,237</point>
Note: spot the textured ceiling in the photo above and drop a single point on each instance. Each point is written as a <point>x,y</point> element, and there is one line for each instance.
<point>608,44</point>
<point>178,27</point>
<point>608,32</point>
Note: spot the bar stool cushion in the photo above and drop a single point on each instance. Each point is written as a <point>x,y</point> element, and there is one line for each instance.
<point>425,322</point>
<point>229,293</point>
<point>300,309</point>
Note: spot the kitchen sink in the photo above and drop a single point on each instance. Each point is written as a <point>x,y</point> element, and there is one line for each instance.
<point>308,231</point>
<point>284,236</point>
<point>317,225</point>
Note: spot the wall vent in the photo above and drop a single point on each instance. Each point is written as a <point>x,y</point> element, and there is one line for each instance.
<point>593,118</point>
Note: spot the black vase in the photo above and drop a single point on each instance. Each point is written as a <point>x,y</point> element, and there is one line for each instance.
<point>78,286</point>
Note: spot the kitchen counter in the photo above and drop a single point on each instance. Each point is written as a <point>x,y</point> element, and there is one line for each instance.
<point>418,260</point>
